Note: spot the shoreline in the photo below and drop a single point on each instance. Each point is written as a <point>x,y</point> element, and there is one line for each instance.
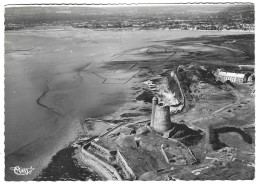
<point>115,110</point>
<point>63,28</point>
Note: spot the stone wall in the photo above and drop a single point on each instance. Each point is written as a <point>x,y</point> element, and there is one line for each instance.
<point>101,151</point>
<point>178,82</point>
<point>129,174</point>
<point>103,168</point>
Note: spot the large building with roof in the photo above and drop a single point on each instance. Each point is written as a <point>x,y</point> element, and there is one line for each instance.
<point>233,77</point>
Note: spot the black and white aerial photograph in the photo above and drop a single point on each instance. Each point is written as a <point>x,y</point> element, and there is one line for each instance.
<point>129,92</point>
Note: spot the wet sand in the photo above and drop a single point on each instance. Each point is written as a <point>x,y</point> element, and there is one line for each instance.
<point>54,79</point>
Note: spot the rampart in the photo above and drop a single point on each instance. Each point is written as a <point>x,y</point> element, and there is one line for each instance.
<point>129,174</point>
<point>181,91</point>
<point>193,158</point>
<point>164,154</point>
<point>104,168</point>
<point>101,151</point>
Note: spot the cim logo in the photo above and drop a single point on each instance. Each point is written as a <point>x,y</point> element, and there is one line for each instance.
<point>22,171</point>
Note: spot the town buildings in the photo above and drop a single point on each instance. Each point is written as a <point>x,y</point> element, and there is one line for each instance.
<point>233,77</point>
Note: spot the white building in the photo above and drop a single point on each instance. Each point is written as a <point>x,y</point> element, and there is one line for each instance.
<point>233,77</point>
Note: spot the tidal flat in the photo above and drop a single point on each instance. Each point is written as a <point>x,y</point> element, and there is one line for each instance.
<point>55,78</point>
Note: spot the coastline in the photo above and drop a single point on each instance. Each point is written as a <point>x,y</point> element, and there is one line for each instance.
<point>66,27</point>
<point>110,98</point>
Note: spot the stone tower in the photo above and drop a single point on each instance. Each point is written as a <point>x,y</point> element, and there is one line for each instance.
<point>154,104</point>
<point>160,120</point>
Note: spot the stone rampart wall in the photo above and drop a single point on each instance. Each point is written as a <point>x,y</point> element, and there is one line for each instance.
<point>130,175</point>
<point>101,151</point>
<point>105,169</point>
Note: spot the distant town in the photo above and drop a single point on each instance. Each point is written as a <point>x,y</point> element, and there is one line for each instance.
<point>142,18</point>
<point>167,24</point>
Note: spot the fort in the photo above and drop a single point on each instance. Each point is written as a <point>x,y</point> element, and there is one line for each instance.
<point>133,152</point>
<point>158,148</point>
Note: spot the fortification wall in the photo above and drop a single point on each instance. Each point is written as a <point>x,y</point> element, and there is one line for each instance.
<point>193,158</point>
<point>130,175</point>
<point>164,154</point>
<point>179,85</point>
<point>101,151</point>
<point>102,167</point>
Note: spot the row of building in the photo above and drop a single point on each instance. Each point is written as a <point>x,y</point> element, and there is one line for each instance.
<point>234,77</point>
